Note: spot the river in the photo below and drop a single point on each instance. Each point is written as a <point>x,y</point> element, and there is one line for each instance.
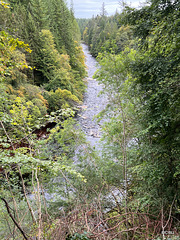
<point>93,103</point>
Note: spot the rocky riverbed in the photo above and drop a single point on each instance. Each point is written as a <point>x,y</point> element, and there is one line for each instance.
<point>93,102</point>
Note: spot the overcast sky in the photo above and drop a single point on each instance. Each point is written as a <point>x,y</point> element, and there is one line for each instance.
<point>88,8</point>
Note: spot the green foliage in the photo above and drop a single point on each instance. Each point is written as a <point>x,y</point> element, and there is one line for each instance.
<point>52,83</point>
<point>48,166</point>
<point>51,67</point>
<point>61,99</point>
<point>82,22</point>
<point>104,34</point>
<point>6,17</point>
<point>156,72</point>
<point>144,84</point>
<point>52,33</point>
<point>64,139</point>
<point>55,67</point>
<point>78,236</point>
<point>124,38</point>
<point>12,61</point>
<point>140,154</point>
<point>24,115</point>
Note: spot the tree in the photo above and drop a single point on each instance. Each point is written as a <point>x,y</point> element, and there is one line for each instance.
<point>156,74</point>
<point>103,10</point>
<point>13,61</point>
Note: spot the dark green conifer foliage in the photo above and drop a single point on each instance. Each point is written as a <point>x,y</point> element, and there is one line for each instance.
<point>60,24</point>
<point>100,33</point>
<point>82,23</point>
<point>39,12</point>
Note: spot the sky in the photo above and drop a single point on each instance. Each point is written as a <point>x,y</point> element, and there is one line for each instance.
<point>88,8</point>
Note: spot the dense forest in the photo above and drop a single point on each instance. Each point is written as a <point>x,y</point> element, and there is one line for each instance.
<point>54,184</point>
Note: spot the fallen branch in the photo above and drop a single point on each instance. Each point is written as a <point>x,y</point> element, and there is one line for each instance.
<point>13,219</point>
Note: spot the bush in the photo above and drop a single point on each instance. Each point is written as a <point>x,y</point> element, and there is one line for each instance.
<point>61,99</point>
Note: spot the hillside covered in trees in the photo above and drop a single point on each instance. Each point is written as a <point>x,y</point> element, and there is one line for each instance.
<point>53,183</point>
<point>41,83</point>
<point>41,54</point>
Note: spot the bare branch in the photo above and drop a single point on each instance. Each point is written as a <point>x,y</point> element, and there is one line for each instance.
<point>13,219</point>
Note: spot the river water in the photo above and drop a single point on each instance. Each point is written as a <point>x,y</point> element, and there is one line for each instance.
<point>93,103</point>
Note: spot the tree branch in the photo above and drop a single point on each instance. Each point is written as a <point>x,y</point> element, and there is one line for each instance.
<point>13,219</point>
